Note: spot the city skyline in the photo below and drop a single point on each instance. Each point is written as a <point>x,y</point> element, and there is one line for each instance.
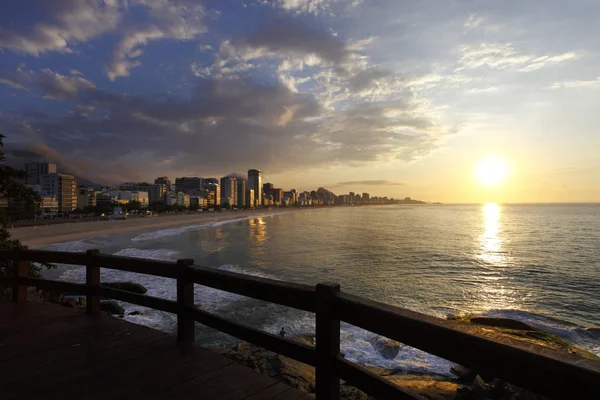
<point>390,97</point>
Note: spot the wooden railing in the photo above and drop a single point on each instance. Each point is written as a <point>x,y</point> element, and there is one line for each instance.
<point>542,370</point>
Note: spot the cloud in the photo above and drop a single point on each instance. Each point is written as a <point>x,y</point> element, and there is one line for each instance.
<point>369,183</point>
<point>293,38</point>
<point>176,20</point>
<point>64,24</point>
<point>473,21</point>
<point>482,90</point>
<point>51,84</point>
<point>503,55</point>
<point>592,83</point>
<point>224,125</point>
<point>313,6</point>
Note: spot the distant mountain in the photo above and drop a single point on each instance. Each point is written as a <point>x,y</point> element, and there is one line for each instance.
<point>326,195</point>
<point>86,182</point>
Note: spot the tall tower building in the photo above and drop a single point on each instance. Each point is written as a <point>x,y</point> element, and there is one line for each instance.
<point>162,180</point>
<point>255,183</point>
<point>188,184</point>
<point>63,187</point>
<point>36,170</point>
<point>229,190</point>
<point>241,192</point>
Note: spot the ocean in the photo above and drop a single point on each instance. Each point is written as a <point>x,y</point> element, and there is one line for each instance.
<point>539,264</point>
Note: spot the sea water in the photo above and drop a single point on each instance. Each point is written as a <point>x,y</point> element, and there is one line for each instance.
<point>539,264</point>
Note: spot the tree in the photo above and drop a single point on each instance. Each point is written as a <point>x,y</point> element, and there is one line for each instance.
<point>12,188</point>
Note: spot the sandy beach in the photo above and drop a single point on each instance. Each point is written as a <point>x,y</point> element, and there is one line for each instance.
<point>44,235</point>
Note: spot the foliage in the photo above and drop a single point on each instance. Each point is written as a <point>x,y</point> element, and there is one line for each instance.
<point>12,188</point>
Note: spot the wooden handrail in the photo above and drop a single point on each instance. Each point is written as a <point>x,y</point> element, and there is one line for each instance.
<point>301,297</point>
<point>530,366</point>
<point>546,371</point>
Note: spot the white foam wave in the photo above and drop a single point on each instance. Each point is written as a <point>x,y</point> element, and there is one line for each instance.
<point>167,232</point>
<point>181,230</point>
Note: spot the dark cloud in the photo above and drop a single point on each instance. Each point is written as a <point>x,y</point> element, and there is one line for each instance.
<point>224,125</point>
<point>291,37</point>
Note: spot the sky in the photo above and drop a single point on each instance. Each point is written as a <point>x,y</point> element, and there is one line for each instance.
<point>392,97</point>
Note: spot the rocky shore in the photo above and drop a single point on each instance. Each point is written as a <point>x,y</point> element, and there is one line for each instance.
<point>465,385</point>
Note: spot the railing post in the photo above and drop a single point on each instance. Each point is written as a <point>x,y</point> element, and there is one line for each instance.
<point>20,266</point>
<point>92,280</point>
<point>185,300</point>
<point>328,342</point>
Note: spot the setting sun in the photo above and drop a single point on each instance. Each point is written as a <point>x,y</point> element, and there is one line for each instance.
<point>491,171</point>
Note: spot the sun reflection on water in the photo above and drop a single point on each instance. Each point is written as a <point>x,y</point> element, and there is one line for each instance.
<point>493,292</point>
<point>491,238</point>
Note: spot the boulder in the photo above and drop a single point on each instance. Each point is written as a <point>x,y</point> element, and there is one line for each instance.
<point>111,307</point>
<point>502,323</point>
<point>464,373</point>
<point>388,348</point>
<point>127,286</point>
<point>595,332</point>
<point>427,387</point>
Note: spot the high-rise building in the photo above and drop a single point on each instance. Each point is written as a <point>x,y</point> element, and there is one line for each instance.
<point>162,180</point>
<point>241,192</point>
<point>156,194</point>
<point>188,184</point>
<point>63,187</point>
<point>211,180</point>
<point>365,198</point>
<point>36,170</point>
<point>277,196</point>
<point>215,190</point>
<point>255,183</point>
<point>250,198</point>
<point>229,190</point>
<point>291,196</point>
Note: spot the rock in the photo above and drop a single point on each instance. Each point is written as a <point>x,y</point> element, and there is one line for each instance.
<point>127,286</point>
<point>111,307</point>
<point>502,323</point>
<point>464,373</point>
<point>136,312</point>
<point>388,348</point>
<point>427,387</point>
<point>297,374</point>
<point>73,301</point>
<point>595,332</point>
<point>352,393</point>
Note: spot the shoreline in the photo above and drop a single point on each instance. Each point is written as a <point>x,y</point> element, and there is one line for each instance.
<point>35,236</point>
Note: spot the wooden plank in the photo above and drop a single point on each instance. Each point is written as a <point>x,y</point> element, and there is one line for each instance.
<point>270,392</point>
<point>141,266</point>
<point>99,357</point>
<point>293,295</point>
<point>20,266</point>
<point>92,280</point>
<point>156,303</point>
<point>57,286</point>
<point>56,257</point>
<point>185,301</point>
<point>269,341</point>
<point>536,368</point>
<point>327,379</point>
<point>372,384</point>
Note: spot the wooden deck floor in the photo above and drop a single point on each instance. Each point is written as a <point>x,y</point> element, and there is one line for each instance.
<point>53,352</point>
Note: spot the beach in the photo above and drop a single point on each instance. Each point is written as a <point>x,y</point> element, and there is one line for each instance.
<point>44,235</point>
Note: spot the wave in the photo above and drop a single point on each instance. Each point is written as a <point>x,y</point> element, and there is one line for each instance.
<point>159,234</point>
